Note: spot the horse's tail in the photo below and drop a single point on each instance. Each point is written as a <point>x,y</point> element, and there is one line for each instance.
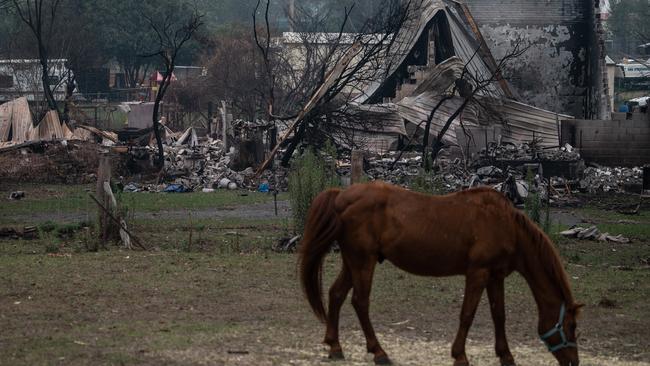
<point>322,228</point>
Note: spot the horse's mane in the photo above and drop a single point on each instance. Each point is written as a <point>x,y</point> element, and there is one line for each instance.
<point>545,253</point>
<point>539,243</point>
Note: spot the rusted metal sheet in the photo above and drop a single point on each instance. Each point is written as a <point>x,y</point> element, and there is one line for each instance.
<point>67,132</point>
<point>111,136</point>
<point>48,129</point>
<point>15,121</point>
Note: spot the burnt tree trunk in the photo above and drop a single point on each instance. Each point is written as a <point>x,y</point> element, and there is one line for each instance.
<point>293,145</point>
<point>427,130</point>
<point>437,144</point>
<point>160,161</point>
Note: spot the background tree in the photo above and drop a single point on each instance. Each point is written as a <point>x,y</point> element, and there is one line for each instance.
<point>235,73</point>
<point>40,16</point>
<point>629,25</point>
<point>172,33</point>
<point>376,50</point>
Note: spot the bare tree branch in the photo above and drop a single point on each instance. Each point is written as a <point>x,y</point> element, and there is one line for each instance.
<point>172,36</point>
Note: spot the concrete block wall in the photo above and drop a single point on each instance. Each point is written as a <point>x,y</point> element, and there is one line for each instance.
<point>614,142</point>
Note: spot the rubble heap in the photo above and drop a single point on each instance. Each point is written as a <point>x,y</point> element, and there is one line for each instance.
<point>528,151</point>
<point>605,179</point>
<point>205,165</point>
<point>513,162</point>
<point>382,168</point>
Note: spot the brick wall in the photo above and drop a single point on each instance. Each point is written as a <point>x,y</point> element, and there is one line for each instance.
<point>616,142</point>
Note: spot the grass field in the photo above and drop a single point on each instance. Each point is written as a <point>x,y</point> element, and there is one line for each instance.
<point>227,298</point>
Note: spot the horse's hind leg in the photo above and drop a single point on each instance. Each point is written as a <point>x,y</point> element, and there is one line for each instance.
<point>338,293</point>
<point>475,282</point>
<point>497,308</point>
<point>362,272</point>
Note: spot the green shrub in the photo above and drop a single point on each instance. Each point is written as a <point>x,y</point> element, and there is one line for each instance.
<point>534,206</point>
<point>422,182</point>
<point>426,182</point>
<point>310,175</point>
<point>48,227</point>
<point>52,248</point>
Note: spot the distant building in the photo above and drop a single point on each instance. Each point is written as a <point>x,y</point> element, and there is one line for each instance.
<point>23,78</point>
<point>189,73</point>
<point>634,70</point>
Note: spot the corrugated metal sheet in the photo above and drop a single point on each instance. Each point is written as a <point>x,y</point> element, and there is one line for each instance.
<point>377,143</point>
<point>5,122</point>
<point>382,126</point>
<point>377,118</point>
<point>404,42</point>
<point>441,77</point>
<point>464,44</point>
<point>15,121</point>
<point>522,122</point>
<point>81,134</point>
<point>48,129</point>
<point>467,48</point>
<point>416,111</point>
<point>67,132</point>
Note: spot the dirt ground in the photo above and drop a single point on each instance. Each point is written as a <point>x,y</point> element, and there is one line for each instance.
<point>188,309</point>
<point>230,300</point>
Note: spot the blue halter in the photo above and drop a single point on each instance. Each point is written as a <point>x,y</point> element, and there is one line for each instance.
<point>558,329</point>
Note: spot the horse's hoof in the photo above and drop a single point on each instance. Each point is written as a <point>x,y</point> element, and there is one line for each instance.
<point>461,363</point>
<point>336,356</point>
<point>508,363</point>
<point>383,360</point>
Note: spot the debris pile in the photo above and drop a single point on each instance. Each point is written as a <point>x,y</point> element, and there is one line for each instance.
<point>592,233</point>
<point>450,174</point>
<point>69,162</point>
<point>26,233</point>
<point>605,179</point>
<point>203,164</point>
<point>558,173</point>
<point>528,151</point>
<point>403,169</point>
<point>386,169</point>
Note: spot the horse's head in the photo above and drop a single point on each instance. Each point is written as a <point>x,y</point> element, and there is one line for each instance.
<point>562,340</point>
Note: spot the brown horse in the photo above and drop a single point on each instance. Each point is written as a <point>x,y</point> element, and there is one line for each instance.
<point>477,233</point>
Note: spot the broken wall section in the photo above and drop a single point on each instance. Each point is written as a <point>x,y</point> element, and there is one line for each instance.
<point>612,143</point>
<point>559,72</point>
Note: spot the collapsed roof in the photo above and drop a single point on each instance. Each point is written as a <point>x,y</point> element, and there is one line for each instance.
<point>17,126</point>
<point>435,47</point>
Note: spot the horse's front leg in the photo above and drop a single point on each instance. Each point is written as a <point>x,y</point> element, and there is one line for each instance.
<point>475,282</point>
<point>497,308</point>
<point>338,293</point>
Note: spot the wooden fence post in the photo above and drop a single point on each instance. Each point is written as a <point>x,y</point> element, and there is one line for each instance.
<point>108,230</point>
<point>357,166</point>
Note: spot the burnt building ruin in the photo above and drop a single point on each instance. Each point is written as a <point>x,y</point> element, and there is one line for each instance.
<point>563,70</point>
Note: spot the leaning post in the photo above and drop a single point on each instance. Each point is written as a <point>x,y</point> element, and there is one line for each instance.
<point>357,166</point>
